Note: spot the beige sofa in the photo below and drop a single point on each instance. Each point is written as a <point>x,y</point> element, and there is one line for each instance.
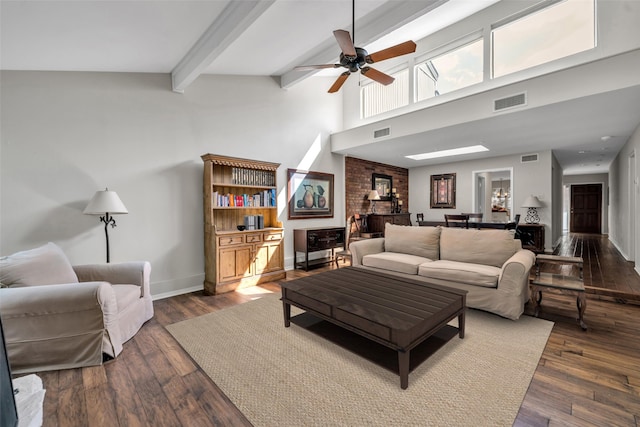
<point>490,264</point>
<point>58,316</point>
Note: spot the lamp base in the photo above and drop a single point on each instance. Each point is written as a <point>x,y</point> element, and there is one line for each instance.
<point>532,216</point>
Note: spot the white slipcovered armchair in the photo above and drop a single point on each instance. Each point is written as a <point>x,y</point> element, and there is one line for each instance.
<point>58,316</point>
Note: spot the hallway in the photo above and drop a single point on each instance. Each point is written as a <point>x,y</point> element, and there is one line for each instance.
<point>606,272</point>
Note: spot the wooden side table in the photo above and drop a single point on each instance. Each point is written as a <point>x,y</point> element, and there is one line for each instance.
<point>559,284</point>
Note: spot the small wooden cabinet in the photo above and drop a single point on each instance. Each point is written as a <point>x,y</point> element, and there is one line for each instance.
<point>316,239</point>
<point>235,189</point>
<point>376,222</point>
<point>531,236</point>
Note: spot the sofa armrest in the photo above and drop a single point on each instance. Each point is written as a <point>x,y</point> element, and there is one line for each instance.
<point>360,248</point>
<point>514,276</point>
<point>130,273</point>
<point>59,326</point>
<point>80,302</point>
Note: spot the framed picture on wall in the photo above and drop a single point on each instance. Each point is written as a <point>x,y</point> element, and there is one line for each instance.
<point>309,194</point>
<point>443,191</point>
<point>383,184</point>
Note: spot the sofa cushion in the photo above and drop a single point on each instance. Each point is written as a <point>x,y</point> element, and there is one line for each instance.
<point>402,263</point>
<point>488,247</point>
<point>419,241</point>
<point>45,265</point>
<point>463,272</point>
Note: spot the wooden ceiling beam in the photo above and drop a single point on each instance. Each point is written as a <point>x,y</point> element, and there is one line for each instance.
<point>236,18</point>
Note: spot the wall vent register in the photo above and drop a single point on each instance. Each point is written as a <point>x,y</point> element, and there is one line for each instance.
<point>526,158</point>
<point>510,102</point>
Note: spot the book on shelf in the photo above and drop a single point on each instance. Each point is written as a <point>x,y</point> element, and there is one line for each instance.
<point>266,198</point>
<point>254,222</point>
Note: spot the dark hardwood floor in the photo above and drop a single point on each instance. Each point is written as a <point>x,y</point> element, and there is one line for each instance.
<point>587,378</point>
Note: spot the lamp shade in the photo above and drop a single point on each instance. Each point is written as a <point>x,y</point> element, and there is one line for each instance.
<point>532,202</point>
<point>105,201</point>
<point>373,195</point>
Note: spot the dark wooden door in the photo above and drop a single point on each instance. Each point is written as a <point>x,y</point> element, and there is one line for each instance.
<point>586,208</point>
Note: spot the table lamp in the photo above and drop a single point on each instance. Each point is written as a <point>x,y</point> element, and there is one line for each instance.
<point>373,196</point>
<point>106,203</point>
<point>532,203</point>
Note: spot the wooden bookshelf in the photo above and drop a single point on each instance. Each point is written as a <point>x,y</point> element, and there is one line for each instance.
<point>233,190</point>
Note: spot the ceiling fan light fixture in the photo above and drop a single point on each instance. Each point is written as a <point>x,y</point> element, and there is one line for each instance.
<point>356,58</point>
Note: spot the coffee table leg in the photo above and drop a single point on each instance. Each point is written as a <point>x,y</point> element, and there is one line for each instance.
<point>286,308</point>
<point>403,364</point>
<point>461,318</point>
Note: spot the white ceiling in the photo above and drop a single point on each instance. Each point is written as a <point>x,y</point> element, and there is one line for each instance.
<point>270,37</point>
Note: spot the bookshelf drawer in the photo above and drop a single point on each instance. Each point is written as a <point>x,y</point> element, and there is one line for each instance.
<point>231,240</point>
<point>253,238</point>
<point>270,237</point>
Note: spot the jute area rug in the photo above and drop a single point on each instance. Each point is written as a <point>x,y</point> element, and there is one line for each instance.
<point>281,376</point>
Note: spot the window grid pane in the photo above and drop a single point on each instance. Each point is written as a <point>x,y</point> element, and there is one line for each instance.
<point>377,98</point>
<point>450,71</point>
<point>555,32</point>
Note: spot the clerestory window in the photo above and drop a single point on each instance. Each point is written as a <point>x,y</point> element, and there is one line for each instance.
<point>450,71</point>
<point>377,98</point>
<point>562,29</point>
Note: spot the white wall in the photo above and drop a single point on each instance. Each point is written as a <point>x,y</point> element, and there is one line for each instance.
<point>624,221</point>
<point>528,178</point>
<point>66,135</point>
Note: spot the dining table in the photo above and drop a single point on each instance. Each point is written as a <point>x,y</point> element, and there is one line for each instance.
<point>498,225</point>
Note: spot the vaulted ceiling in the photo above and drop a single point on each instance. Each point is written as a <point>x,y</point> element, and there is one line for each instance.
<point>262,37</point>
<point>188,38</point>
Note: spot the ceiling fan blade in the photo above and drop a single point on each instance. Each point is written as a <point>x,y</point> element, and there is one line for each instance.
<point>391,52</point>
<point>315,67</point>
<point>339,82</point>
<point>345,42</point>
<point>376,75</point>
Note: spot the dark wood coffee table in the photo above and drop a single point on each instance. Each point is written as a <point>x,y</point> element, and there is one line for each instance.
<point>395,312</point>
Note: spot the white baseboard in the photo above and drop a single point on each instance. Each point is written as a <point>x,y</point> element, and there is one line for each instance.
<point>171,288</point>
<point>624,255</point>
<point>177,292</point>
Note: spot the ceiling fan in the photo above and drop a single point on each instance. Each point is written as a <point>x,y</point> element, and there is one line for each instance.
<point>356,58</point>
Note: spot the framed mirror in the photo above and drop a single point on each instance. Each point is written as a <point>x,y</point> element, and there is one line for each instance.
<point>492,194</point>
<point>383,184</point>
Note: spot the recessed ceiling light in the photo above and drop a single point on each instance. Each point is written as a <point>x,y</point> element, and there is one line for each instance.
<point>605,138</point>
<point>447,153</point>
<point>581,152</point>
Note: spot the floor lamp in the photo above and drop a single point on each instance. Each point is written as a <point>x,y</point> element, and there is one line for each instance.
<point>106,203</point>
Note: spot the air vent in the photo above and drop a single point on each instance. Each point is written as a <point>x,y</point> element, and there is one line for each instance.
<point>526,158</point>
<point>510,102</point>
<point>381,132</point>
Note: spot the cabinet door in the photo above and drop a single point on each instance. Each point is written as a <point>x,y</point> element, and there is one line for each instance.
<point>269,257</point>
<point>402,219</point>
<point>235,263</point>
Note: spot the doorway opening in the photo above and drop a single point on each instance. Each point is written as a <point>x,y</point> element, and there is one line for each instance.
<point>585,214</point>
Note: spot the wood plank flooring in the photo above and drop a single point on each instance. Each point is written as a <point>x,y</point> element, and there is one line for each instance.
<point>606,273</point>
<point>587,378</point>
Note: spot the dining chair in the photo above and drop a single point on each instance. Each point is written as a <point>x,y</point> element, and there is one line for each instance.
<point>474,215</point>
<point>457,220</point>
<point>474,218</point>
<point>346,253</point>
